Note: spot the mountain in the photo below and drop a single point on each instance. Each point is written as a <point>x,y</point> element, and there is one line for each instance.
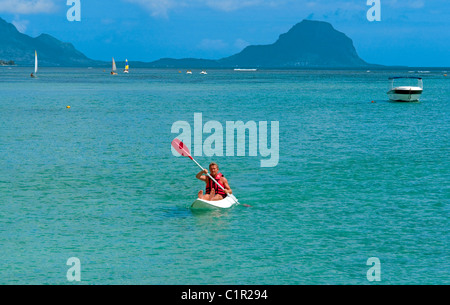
<point>52,52</point>
<point>309,44</point>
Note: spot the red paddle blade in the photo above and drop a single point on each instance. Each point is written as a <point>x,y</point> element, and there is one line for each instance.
<point>181,148</point>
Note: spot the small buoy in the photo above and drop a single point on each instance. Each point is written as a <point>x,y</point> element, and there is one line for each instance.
<point>373,102</point>
<point>68,107</point>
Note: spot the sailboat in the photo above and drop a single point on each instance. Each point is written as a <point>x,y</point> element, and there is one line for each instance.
<point>114,68</point>
<point>127,67</point>
<point>35,65</point>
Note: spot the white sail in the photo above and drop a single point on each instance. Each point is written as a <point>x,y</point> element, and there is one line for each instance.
<point>114,68</point>
<point>35,62</point>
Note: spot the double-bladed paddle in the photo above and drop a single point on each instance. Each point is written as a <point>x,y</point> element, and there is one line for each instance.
<point>184,151</point>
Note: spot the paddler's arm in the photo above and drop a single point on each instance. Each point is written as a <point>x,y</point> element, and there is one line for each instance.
<point>201,175</point>
<point>226,186</point>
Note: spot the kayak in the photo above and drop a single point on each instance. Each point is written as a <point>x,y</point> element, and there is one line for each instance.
<point>225,203</point>
<point>201,204</point>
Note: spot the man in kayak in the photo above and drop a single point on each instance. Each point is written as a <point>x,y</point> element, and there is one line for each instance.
<point>213,191</point>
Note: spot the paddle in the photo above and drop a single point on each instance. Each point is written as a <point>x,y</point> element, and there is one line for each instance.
<point>184,151</point>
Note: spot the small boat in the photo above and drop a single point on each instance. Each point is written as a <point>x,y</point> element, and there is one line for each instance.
<point>203,72</point>
<point>189,72</point>
<point>405,93</point>
<point>114,68</point>
<point>34,75</point>
<point>225,203</point>
<point>245,70</point>
<point>201,204</point>
<point>127,67</point>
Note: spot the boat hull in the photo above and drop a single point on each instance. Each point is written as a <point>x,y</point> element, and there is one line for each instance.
<point>405,94</point>
<point>226,203</point>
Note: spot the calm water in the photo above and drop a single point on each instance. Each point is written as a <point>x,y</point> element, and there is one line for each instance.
<point>98,181</point>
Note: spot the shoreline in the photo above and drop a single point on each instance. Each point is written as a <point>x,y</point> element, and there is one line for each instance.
<point>386,68</point>
<point>8,63</point>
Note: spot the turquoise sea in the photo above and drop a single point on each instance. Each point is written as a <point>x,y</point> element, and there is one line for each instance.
<point>356,179</point>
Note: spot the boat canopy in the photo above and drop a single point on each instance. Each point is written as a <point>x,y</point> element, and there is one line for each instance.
<point>419,80</point>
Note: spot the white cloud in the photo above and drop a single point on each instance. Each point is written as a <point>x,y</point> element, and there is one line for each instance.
<point>156,7</point>
<point>416,4</point>
<point>21,25</point>
<point>161,8</point>
<point>232,5</point>
<point>27,7</point>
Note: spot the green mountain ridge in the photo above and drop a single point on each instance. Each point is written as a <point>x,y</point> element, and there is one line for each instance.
<point>20,48</point>
<point>308,44</point>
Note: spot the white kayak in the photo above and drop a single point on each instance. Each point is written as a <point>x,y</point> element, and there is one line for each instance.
<point>225,203</point>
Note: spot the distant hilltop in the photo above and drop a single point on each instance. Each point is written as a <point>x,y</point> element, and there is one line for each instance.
<point>308,44</point>
<point>20,48</point>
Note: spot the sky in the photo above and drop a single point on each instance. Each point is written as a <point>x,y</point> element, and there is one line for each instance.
<point>413,33</point>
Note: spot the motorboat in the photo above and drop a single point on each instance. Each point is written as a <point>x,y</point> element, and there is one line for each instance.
<point>405,93</point>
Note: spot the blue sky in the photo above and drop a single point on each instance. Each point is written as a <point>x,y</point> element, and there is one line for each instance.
<point>411,32</point>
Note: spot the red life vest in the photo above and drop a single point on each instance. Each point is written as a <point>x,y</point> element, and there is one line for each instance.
<point>211,184</point>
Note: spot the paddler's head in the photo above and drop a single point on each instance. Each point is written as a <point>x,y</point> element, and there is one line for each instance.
<point>213,169</point>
